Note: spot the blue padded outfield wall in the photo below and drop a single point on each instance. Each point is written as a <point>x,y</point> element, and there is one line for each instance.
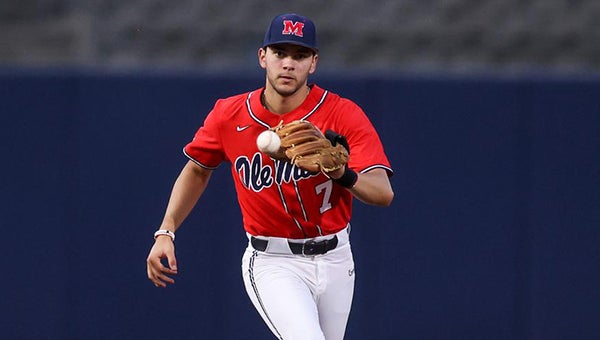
<point>493,233</point>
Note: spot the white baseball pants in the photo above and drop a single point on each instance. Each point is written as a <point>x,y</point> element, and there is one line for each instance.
<point>301,297</point>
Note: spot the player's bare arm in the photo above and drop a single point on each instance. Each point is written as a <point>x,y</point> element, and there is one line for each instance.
<point>187,189</point>
<point>374,188</point>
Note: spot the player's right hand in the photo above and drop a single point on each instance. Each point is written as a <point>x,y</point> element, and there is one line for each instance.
<point>158,273</point>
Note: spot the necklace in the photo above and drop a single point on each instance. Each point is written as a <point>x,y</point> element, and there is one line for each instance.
<point>263,101</point>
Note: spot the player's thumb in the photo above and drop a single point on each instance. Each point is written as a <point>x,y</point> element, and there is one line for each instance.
<point>172,261</point>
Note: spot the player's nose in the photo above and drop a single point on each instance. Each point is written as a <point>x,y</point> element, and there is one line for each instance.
<point>288,64</point>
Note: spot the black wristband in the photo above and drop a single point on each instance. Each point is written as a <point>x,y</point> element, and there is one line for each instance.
<point>348,179</point>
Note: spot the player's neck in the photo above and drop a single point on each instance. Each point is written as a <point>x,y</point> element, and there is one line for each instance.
<point>279,104</point>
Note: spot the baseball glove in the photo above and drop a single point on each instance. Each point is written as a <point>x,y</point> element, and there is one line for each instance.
<point>305,146</point>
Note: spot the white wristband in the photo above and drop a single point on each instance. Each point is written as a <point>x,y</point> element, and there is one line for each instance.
<point>165,232</point>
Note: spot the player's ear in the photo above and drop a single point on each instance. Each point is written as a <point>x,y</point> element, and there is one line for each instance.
<point>262,55</point>
<point>313,65</point>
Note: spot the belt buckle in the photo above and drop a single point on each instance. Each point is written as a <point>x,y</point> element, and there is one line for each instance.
<point>309,248</point>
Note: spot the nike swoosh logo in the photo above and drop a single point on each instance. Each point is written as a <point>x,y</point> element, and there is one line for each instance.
<point>241,128</point>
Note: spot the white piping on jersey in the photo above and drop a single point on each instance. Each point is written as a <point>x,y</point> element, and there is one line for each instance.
<point>376,166</point>
<point>198,163</point>
<point>319,230</point>
<point>298,225</point>
<point>282,198</point>
<point>316,106</point>
<point>251,113</point>
<point>287,210</point>
<point>300,201</point>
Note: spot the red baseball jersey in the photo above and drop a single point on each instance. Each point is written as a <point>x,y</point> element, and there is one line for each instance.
<point>275,197</point>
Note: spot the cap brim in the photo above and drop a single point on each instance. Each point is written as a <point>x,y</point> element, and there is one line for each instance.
<point>292,42</point>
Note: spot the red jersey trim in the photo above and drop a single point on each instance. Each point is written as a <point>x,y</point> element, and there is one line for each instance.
<point>198,163</point>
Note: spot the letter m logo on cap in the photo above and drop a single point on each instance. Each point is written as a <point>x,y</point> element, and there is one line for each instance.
<point>295,28</point>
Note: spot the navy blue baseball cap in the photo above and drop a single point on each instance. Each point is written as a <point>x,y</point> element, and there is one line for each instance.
<point>292,29</point>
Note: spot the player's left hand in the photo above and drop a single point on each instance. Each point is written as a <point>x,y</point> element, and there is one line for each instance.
<point>158,273</point>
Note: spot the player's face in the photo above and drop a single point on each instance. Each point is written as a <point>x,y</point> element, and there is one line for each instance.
<point>287,66</point>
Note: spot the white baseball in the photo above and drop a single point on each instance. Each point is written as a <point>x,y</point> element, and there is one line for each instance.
<point>268,142</point>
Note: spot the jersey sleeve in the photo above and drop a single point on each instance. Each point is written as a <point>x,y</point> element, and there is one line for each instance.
<point>366,149</point>
<point>206,148</point>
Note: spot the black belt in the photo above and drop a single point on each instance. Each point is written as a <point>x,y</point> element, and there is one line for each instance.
<point>307,248</point>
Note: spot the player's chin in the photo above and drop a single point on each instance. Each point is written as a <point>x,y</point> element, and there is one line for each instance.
<point>287,88</point>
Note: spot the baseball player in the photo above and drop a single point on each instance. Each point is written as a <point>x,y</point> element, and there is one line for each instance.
<point>296,204</point>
